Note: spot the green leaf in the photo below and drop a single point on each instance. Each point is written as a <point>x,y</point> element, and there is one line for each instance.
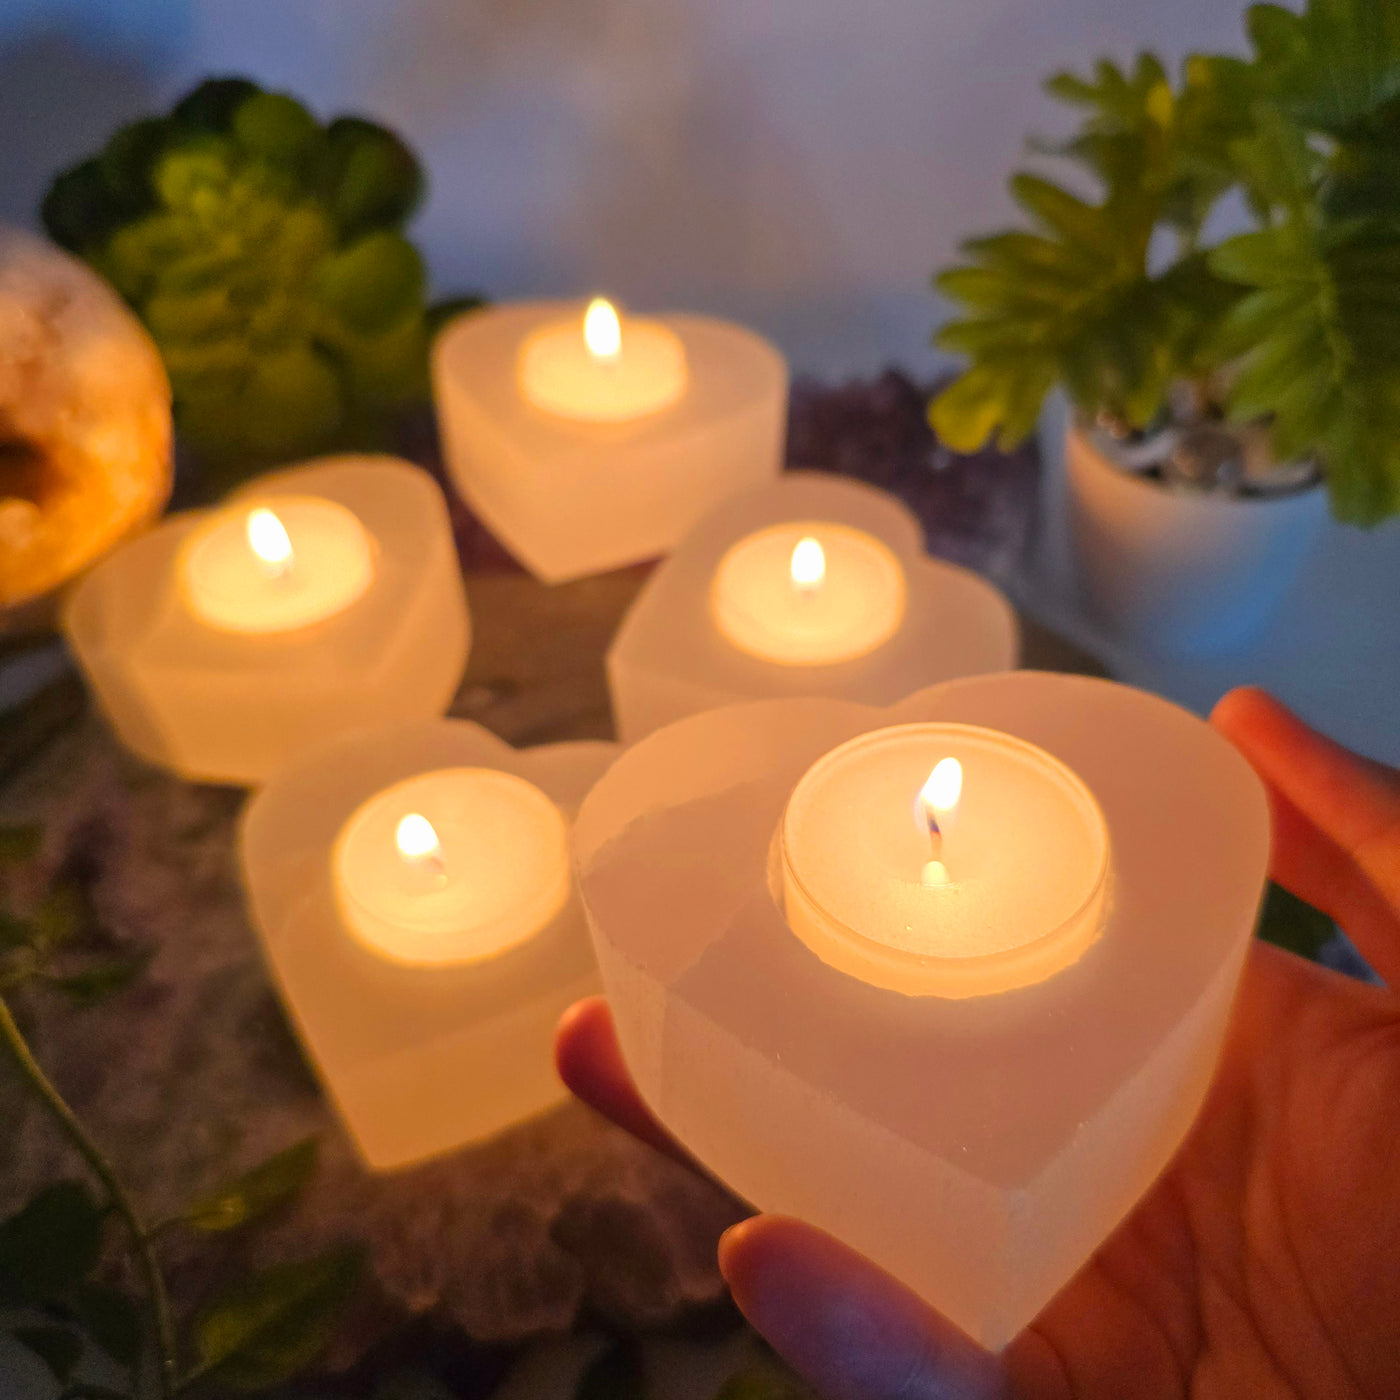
<point>57,1347</point>
<point>617,1374</point>
<point>1331,65</point>
<point>373,179</point>
<point>254,1192</point>
<point>765,1380</point>
<point>1327,374</point>
<point>112,1318</point>
<point>61,914</point>
<point>442,313</point>
<point>292,400</point>
<point>1291,923</point>
<point>19,844</point>
<point>266,1328</point>
<point>53,1242</point>
<point>374,283</point>
<point>276,128</point>
<point>210,106</point>
<point>15,932</point>
<point>100,978</point>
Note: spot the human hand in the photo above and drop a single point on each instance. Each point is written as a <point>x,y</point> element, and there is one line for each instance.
<point>1265,1261</point>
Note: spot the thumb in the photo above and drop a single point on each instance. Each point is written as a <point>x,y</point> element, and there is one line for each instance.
<point>843,1324</point>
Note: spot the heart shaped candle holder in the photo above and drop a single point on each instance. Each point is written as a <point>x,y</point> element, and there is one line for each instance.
<point>811,585</point>
<point>965,1039</point>
<point>209,668</point>
<point>425,981</point>
<point>570,495</point>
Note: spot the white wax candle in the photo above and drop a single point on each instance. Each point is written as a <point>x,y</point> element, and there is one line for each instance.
<point>1002,888</point>
<point>809,593</point>
<point>276,565</point>
<point>453,866</point>
<point>601,368</point>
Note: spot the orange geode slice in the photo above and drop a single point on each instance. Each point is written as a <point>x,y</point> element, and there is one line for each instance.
<point>85,428</point>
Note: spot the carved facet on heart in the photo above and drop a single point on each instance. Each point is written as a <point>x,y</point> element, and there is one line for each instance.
<point>977,1139</point>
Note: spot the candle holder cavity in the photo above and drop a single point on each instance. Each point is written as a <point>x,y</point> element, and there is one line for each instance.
<point>963,1039</point>
<point>571,495</point>
<point>427,1033</point>
<point>810,585</point>
<point>317,599</point>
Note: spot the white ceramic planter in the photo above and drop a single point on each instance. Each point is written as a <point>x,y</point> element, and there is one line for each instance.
<point>1174,572</point>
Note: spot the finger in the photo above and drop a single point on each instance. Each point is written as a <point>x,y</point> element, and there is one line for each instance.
<point>590,1063</point>
<point>1350,800</point>
<point>845,1325</point>
<point>1319,871</point>
<point>1336,821</point>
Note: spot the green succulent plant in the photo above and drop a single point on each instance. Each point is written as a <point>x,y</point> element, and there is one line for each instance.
<point>266,254</point>
<point>1295,323</point>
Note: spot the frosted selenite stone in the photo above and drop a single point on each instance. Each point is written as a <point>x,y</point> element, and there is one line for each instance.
<point>570,497</point>
<point>671,657</point>
<point>418,1058</point>
<point>978,1148</point>
<point>224,706</point>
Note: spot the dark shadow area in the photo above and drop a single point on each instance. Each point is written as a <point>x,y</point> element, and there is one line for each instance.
<point>60,98</point>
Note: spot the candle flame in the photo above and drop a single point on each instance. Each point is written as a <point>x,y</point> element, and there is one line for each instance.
<point>601,329</point>
<point>267,538</point>
<point>808,564</point>
<point>941,793</point>
<point>416,839</point>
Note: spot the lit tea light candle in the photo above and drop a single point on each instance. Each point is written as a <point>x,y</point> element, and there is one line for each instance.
<point>585,441</point>
<point>454,866</point>
<point>604,370</point>
<point>411,888</point>
<point>320,599</point>
<point>257,570</point>
<point>808,594</point>
<point>1015,899</point>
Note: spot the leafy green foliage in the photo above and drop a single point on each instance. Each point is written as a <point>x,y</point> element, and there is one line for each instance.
<point>1332,66</point>
<point>111,1319</point>
<point>1289,922</point>
<point>265,253</point>
<point>267,1327</point>
<point>1295,324</point>
<point>52,1242</point>
<point>1075,301</point>
<point>765,1380</point>
<point>254,1193</point>
<point>1315,337</point>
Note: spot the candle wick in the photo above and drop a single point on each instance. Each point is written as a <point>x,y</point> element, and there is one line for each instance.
<point>935,833</point>
<point>431,865</point>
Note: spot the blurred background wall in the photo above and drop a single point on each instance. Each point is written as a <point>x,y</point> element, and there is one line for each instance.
<point>800,165</point>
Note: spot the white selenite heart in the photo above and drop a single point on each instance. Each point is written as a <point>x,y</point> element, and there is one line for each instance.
<point>418,1059</point>
<point>979,1149</point>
